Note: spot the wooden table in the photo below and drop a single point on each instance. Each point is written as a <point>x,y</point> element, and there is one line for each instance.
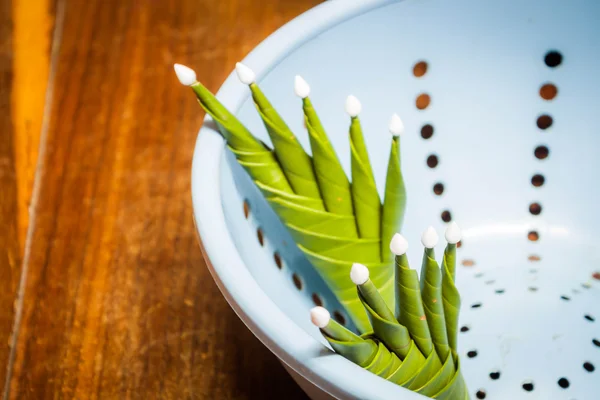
<point>104,293</point>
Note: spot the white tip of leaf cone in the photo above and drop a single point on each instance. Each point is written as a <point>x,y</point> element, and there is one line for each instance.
<point>245,74</point>
<point>359,274</point>
<point>398,245</point>
<point>453,233</point>
<point>396,126</point>
<point>429,238</point>
<point>320,317</point>
<point>301,88</point>
<point>353,106</point>
<point>186,75</point>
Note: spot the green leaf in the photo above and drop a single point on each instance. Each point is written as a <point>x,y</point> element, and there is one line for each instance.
<point>450,295</point>
<point>409,368</point>
<point>294,161</point>
<point>409,305</point>
<point>340,248</point>
<point>395,336</point>
<point>334,184</point>
<point>336,274</point>
<point>431,292</point>
<point>440,379</point>
<point>367,205</point>
<point>264,165</point>
<point>456,389</point>
<point>394,203</point>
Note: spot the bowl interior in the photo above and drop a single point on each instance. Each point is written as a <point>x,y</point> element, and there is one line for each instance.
<point>506,146</point>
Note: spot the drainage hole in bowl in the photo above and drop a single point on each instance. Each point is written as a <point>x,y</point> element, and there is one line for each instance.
<point>339,317</point>
<point>589,318</point>
<point>538,180</point>
<point>563,383</point>
<point>446,216</point>
<point>499,291</point>
<point>495,375</point>
<point>553,58</point>
<point>548,91</point>
<point>535,208</point>
<point>588,366</point>
<point>432,161</point>
<point>277,259</point>
<point>438,188</point>
<point>472,353</point>
<point>541,152</point>
<point>533,236</point>
<point>544,122</point>
<point>420,69</point>
<point>297,281</point>
<point>476,305</point>
<point>464,328</point>
<point>317,300</point>
<point>427,131</point>
<point>468,262</point>
<point>534,258</point>
<point>260,236</point>
<point>490,282</point>
<point>480,394</point>
<point>423,100</point>
<point>533,289</point>
<point>479,275</point>
<point>528,386</point>
<point>246,209</point>
<point>596,342</point>
<point>565,298</point>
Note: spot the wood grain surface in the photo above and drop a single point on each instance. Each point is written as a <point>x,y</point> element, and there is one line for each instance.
<point>104,291</point>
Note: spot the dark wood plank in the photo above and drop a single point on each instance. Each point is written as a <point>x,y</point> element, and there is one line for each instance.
<point>118,301</point>
<point>10,258</point>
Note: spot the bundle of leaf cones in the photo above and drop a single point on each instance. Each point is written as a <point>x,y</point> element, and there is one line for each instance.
<point>414,346</point>
<point>333,220</point>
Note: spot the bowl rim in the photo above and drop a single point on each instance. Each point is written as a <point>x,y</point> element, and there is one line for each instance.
<point>291,344</point>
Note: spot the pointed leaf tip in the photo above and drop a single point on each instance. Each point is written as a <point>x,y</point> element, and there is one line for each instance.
<point>396,125</point>
<point>429,238</point>
<point>186,75</point>
<point>398,245</point>
<point>359,274</point>
<point>301,88</point>
<point>453,233</point>
<point>320,317</point>
<point>245,74</point>
<point>353,106</point>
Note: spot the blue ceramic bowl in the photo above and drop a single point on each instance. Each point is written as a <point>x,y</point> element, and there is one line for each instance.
<point>513,89</point>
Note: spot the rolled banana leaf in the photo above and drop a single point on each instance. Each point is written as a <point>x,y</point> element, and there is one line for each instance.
<point>431,292</point>
<point>450,295</point>
<point>264,165</point>
<point>296,164</point>
<point>336,275</point>
<point>333,182</point>
<point>426,377</point>
<point>367,205</point>
<point>395,336</point>
<point>317,209</point>
<point>394,203</point>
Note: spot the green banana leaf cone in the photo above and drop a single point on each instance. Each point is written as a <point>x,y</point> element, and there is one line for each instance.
<point>409,351</point>
<point>334,222</point>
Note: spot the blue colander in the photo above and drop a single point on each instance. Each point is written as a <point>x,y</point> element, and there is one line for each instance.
<point>501,101</point>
